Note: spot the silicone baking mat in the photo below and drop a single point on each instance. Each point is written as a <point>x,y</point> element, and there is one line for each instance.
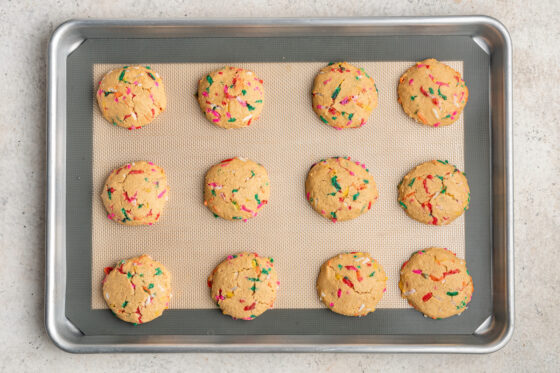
<point>287,140</point>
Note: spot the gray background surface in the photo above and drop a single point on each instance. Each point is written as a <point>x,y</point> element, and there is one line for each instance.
<point>24,32</point>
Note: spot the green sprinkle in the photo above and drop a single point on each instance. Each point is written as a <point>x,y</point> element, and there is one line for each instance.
<point>124,304</point>
<point>109,193</point>
<point>158,271</point>
<point>439,177</point>
<point>271,260</point>
<point>231,120</point>
<point>441,94</point>
<point>444,190</point>
<point>333,118</point>
<point>209,79</point>
<point>403,205</point>
<point>252,174</point>
<point>254,279</point>
<point>254,287</point>
<point>265,271</point>
<point>121,77</point>
<point>152,76</point>
<point>114,123</point>
<point>251,108</point>
<point>125,67</point>
<point>257,199</point>
<point>237,218</point>
<point>412,182</point>
<point>150,286</point>
<point>244,92</point>
<point>452,293</point>
<point>355,196</point>
<point>375,85</point>
<point>213,192</point>
<point>431,90</point>
<point>332,194</point>
<point>125,215</point>
<point>335,183</point>
<point>333,214</point>
<point>148,67</point>
<point>350,116</point>
<point>258,102</point>
<point>366,181</point>
<point>215,215</point>
<point>135,324</point>
<point>336,92</point>
<point>442,162</point>
<point>128,275</point>
<point>107,93</point>
<point>323,119</point>
<point>330,63</point>
<point>140,205</point>
<point>372,274</point>
<point>412,98</point>
<point>340,266</point>
<point>235,190</point>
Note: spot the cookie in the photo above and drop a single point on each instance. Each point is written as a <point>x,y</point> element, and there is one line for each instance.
<point>131,96</point>
<point>436,283</point>
<point>432,93</point>
<point>434,192</point>
<point>340,189</point>
<point>244,285</point>
<point>137,290</point>
<point>136,193</point>
<point>231,97</point>
<point>343,95</point>
<point>351,284</point>
<point>236,189</point>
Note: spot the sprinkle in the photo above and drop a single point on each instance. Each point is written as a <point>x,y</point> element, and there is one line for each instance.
<point>150,286</point>
<point>244,92</point>
<point>253,279</point>
<point>442,162</point>
<point>366,181</point>
<point>403,205</point>
<point>452,293</point>
<point>232,120</point>
<point>336,92</point>
<point>257,199</point>
<point>124,304</point>
<point>125,215</point>
<point>441,94</point>
<point>121,77</point>
<point>412,98</point>
<point>351,268</point>
<point>331,305</point>
<point>335,183</point>
<point>372,274</point>
<point>417,271</point>
<point>251,108</point>
<point>427,297</point>
<point>323,119</point>
<point>347,281</point>
<point>424,91</point>
<point>431,90</point>
<point>152,76</point>
<point>209,79</point>
<point>251,307</point>
<point>162,193</point>
<point>410,81</point>
<point>258,102</point>
<point>355,196</point>
<point>338,293</point>
<point>158,271</point>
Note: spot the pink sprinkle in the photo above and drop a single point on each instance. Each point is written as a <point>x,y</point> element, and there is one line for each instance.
<point>205,94</point>
<point>420,65</point>
<point>244,220</point>
<point>437,124</point>
<point>442,83</point>
<point>431,76</point>
<point>128,90</point>
<point>319,106</point>
<point>150,163</point>
<point>153,169</point>
<point>323,212</point>
<point>228,114</point>
<point>152,97</point>
<point>116,99</point>
<point>338,128</point>
<point>417,271</point>
<point>157,84</point>
<point>331,305</point>
<point>307,195</point>
<point>351,173</point>
<point>345,101</point>
<point>162,193</point>
<point>129,165</point>
<point>326,81</point>
<point>410,81</point>
<point>259,206</point>
<point>133,286</point>
<point>338,293</point>
<point>384,290</point>
<point>111,215</point>
<point>99,92</point>
<point>135,83</point>
<point>243,103</point>
<point>213,185</point>
<point>454,113</point>
<point>363,165</point>
<point>230,257</point>
<point>349,122</point>
<point>247,210</point>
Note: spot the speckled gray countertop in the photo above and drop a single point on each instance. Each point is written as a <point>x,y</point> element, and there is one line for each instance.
<point>24,32</point>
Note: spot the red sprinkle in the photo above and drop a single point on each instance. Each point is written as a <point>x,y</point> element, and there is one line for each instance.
<point>107,270</point>
<point>209,283</point>
<point>249,308</point>
<point>339,292</point>
<point>348,282</point>
<point>427,297</point>
<point>424,92</point>
<point>136,172</point>
<point>351,268</point>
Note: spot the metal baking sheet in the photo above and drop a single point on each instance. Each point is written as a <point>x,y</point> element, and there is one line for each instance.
<point>480,42</point>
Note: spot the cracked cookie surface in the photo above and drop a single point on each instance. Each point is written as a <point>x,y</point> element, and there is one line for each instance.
<point>236,189</point>
<point>231,97</point>
<point>244,285</point>
<point>131,96</point>
<point>138,289</point>
<point>340,189</point>
<point>351,284</point>
<point>434,192</point>
<point>432,93</point>
<point>343,95</point>
<point>135,194</point>
<point>437,283</point>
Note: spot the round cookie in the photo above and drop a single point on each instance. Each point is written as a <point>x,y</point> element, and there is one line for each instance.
<point>343,95</point>
<point>231,97</point>
<point>436,283</point>
<point>351,284</point>
<point>137,290</point>
<point>432,93</point>
<point>236,189</point>
<point>136,193</point>
<point>131,96</point>
<point>244,285</point>
<point>340,189</point>
<point>434,192</point>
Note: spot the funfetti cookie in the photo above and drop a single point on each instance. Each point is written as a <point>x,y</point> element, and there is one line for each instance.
<point>131,96</point>
<point>432,93</point>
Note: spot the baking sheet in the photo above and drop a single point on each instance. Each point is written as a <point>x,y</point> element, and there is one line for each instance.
<point>287,140</point>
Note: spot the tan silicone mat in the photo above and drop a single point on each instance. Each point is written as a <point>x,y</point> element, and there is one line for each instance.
<point>287,140</point>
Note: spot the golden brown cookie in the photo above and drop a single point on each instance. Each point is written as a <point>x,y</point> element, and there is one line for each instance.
<point>340,189</point>
<point>231,97</point>
<point>236,189</point>
<point>432,93</point>
<point>436,283</point>
<point>136,193</point>
<point>343,95</point>
<point>131,96</point>
<point>244,285</point>
<point>137,290</point>
<point>434,192</point>
<point>351,284</point>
